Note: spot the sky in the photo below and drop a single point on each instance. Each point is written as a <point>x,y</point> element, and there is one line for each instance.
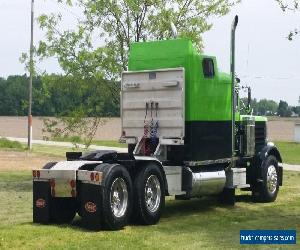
<point>265,59</point>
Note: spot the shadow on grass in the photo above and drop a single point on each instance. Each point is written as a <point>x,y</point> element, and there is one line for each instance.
<point>172,210</point>
<point>209,217</point>
<point>187,207</point>
<point>195,224</point>
<point>76,224</point>
<point>200,205</point>
<point>244,198</point>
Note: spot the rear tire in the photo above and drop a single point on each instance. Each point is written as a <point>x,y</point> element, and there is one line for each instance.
<point>117,198</point>
<point>149,192</point>
<point>267,189</point>
<point>62,210</point>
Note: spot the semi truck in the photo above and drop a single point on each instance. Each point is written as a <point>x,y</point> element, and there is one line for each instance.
<point>181,119</point>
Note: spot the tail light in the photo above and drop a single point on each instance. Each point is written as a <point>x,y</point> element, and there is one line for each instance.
<point>34,173</point>
<point>72,183</point>
<point>97,177</point>
<point>38,174</point>
<point>92,176</point>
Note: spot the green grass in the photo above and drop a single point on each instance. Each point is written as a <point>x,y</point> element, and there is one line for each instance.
<point>109,143</point>
<point>78,140</point>
<point>45,150</point>
<point>195,224</point>
<point>53,150</point>
<point>7,144</point>
<point>290,152</point>
<point>58,150</point>
<point>50,150</point>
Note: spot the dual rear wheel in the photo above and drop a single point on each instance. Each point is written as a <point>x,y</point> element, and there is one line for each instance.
<point>149,198</point>
<point>140,201</point>
<point>116,198</point>
<point>122,201</point>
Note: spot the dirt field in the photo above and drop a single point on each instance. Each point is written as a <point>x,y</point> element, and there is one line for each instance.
<point>17,127</point>
<point>279,129</point>
<point>23,160</point>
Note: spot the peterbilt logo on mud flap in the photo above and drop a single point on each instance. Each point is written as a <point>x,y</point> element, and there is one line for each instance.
<point>90,207</point>
<point>40,203</point>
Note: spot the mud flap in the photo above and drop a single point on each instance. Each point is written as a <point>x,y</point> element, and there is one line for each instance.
<point>280,175</point>
<point>91,205</point>
<point>41,202</point>
<point>227,197</point>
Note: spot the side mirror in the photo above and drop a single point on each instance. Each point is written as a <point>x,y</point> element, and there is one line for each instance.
<point>249,100</point>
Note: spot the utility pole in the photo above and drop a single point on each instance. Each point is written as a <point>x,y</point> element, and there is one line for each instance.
<point>31,68</point>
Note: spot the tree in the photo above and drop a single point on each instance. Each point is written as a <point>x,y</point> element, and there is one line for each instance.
<point>74,100</point>
<point>288,5</point>
<point>14,95</point>
<point>267,107</point>
<point>117,24</point>
<point>254,106</point>
<point>261,107</point>
<point>283,109</point>
<point>296,109</point>
<point>120,23</point>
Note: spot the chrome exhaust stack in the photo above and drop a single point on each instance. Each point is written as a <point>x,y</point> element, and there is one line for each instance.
<point>233,101</point>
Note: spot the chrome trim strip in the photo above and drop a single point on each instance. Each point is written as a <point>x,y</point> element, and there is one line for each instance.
<point>207,162</point>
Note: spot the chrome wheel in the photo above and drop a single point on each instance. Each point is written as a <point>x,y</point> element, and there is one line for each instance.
<point>118,197</point>
<point>272,179</point>
<point>152,194</point>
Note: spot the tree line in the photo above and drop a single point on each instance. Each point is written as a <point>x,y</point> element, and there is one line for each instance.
<point>57,95</point>
<point>267,107</point>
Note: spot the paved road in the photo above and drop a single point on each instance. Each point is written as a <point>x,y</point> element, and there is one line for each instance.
<point>291,167</point>
<point>67,144</point>
<point>121,150</point>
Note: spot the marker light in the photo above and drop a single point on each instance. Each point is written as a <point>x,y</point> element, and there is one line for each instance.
<point>92,176</point>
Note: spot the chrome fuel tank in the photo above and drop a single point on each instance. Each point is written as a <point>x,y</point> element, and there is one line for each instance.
<point>208,183</point>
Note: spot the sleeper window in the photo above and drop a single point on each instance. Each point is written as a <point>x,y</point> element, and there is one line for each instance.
<point>208,68</point>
